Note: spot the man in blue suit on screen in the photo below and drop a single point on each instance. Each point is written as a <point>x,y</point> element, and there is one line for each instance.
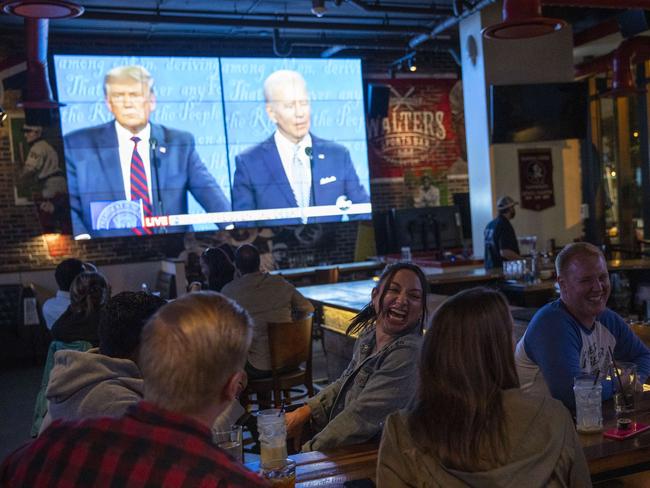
<point>129,167</point>
<point>293,168</point>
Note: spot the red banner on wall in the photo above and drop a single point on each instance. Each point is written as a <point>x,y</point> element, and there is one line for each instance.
<point>419,130</point>
<point>536,179</point>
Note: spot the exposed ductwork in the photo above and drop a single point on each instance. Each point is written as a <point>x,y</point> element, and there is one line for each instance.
<point>38,93</point>
<point>596,32</point>
<point>449,23</point>
<point>176,17</point>
<point>619,62</point>
<point>524,17</point>
<point>436,10</point>
<point>36,14</point>
<point>615,4</point>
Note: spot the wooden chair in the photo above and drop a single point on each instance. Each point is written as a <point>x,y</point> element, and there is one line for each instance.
<point>290,346</point>
<point>324,276</point>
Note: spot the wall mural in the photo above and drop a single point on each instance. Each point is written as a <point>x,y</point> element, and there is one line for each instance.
<point>422,140</point>
<point>36,153</point>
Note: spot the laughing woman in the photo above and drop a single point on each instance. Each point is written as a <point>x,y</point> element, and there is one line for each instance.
<point>381,377</point>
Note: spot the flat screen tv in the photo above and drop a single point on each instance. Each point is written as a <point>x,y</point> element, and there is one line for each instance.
<point>538,112</point>
<point>426,229</point>
<point>215,148</point>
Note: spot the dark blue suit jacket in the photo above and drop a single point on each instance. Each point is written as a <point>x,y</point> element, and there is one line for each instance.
<point>95,174</point>
<point>261,183</point>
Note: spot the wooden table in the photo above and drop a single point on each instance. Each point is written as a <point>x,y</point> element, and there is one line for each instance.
<point>335,467</point>
<point>307,272</point>
<point>607,458</point>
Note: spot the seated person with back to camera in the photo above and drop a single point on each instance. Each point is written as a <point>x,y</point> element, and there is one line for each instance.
<point>107,380</point>
<point>65,272</point>
<point>380,378</point>
<point>469,423</point>
<point>191,356</point>
<point>267,298</point>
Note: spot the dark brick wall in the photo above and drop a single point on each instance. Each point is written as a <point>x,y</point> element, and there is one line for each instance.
<point>24,247</point>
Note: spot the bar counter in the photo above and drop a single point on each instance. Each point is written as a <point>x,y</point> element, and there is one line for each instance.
<point>336,304</point>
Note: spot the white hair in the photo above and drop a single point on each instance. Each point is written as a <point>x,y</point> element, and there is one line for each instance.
<point>278,78</point>
<point>132,72</point>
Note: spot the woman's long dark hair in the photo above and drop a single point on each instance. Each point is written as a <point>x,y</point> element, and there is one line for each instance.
<point>88,293</point>
<point>465,363</point>
<point>368,315</point>
<point>220,265</point>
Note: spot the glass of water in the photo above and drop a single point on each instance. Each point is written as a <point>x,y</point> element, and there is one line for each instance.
<point>589,407</point>
<point>230,441</point>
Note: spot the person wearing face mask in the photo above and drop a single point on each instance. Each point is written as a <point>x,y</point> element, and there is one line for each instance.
<point>381,376</point>
<point>577,333</point>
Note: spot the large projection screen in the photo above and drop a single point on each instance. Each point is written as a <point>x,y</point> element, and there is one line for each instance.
<point>216,151</point>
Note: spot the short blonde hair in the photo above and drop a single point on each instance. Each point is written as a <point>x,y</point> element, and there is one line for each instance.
<point>571,251</point>
<point>190,348</point>
<point>132,72</point>
<point>278,78</point>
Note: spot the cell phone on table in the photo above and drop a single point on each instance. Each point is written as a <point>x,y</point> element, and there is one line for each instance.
<point>620,434</point>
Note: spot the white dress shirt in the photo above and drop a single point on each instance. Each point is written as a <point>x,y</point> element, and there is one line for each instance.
<point>126,151</point>
<point>287,149</point>
<point>55,306</point>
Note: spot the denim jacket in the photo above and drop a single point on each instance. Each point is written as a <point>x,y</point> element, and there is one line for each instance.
<point>353,408</point>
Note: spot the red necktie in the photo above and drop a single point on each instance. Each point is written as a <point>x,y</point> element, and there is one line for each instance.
<point>139,187</point>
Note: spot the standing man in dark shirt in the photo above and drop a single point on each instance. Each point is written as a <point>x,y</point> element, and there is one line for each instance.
<point>500,238</point>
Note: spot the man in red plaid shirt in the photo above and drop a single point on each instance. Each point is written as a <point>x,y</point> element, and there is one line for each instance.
<point>191,356</point>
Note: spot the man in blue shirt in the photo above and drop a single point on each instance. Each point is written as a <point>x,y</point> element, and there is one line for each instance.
<point>576,333</point>
<point>500,238</point>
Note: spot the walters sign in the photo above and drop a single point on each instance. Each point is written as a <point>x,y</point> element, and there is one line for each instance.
<point>418,131</point>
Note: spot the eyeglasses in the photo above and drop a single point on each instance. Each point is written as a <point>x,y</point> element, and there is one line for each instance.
<point>29,130</point>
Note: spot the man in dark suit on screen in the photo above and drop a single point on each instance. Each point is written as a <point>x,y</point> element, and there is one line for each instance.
<point>294,168</point>
<point>132,160</point>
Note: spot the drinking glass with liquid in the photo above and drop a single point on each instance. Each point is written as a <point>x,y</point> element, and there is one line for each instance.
<point>589,407</point>
<point>230,441</point>
<point>625,386</point>
<point>275,467</point>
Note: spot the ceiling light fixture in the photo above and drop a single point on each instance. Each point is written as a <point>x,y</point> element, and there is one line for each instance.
<point>522,19</point>
<point>42,9</point>
<point>3,116</point>
<point>406,62</point>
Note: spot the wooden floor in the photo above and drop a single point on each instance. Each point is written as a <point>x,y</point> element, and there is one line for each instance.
<point>18,389</point>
